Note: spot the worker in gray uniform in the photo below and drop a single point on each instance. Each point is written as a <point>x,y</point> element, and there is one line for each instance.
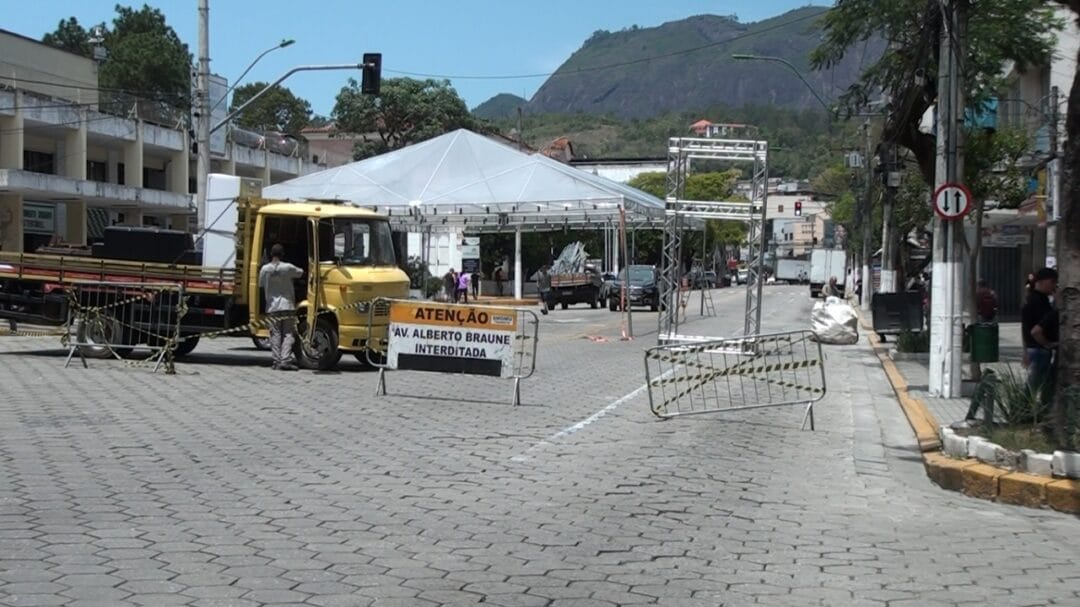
<point>276,279</point>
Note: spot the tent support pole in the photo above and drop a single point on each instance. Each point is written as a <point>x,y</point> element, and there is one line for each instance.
<point>517,264</point>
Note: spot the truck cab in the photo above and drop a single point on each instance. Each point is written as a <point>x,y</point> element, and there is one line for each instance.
<point>348,259</point>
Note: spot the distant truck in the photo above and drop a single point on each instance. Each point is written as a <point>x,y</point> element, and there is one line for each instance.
<point>793,270</point>
<point>576,287</point>
<point>826,264</point>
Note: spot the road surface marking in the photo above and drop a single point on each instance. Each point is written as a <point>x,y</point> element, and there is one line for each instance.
<point>567,431</point>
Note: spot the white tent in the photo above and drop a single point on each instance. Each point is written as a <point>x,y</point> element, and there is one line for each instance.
<point>463,181</point>
<point>466,180</point>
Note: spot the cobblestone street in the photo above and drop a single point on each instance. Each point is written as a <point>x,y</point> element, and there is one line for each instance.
<point>231,484</point>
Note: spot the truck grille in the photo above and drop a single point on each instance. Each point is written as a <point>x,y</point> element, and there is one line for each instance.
<point>381,308</point>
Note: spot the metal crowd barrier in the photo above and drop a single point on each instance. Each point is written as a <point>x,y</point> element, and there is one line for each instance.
<point>110,319</point>
<point>721,375</point>
<point>522,362</point>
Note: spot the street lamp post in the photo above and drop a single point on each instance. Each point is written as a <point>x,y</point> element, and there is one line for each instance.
<point>202,161</point>
<point>284,43</point>
<point>790,66</point>
<point>303,68</point>
<point>206,130</point>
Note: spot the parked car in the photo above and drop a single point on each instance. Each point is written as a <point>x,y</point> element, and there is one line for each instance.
<point>702,279</point>
<point>642,288</point>
<point>742,275</point>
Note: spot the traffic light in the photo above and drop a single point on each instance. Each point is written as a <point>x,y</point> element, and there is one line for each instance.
<point>372,74</point>
<point>798,208</point>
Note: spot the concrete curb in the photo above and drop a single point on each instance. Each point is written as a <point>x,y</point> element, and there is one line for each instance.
<point>969,475</point>
<point>920,418</point>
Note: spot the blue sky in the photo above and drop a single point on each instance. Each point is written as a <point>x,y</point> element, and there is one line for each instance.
<point>452,37</point>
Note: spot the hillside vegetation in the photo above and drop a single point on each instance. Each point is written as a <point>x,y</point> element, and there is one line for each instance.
<point>801,142</point>
<point>503,105</point>
<point>687,64</point>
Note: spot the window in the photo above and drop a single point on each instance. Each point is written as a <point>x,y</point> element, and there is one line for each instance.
<point>356,242</point>
<point>97,171</point>
<point>38,162</point>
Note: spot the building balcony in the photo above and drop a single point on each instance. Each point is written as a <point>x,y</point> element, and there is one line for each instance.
<point>55,188</point>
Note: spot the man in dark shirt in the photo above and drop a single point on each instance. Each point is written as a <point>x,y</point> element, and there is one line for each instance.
<point>1040,328</point>
<point>986,302</point>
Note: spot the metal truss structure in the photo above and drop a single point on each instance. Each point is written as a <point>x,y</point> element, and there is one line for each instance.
<point>680,212</point>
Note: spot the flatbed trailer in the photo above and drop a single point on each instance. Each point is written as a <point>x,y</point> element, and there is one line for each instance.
<point>579,287</point>
<point>346,254</point>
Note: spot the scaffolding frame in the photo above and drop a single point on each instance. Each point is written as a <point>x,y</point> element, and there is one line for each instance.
<point>679,212</point>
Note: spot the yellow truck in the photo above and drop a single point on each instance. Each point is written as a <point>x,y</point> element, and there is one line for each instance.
<point>347,255</point>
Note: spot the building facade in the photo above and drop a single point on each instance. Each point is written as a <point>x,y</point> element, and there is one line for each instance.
<point>75,159</point>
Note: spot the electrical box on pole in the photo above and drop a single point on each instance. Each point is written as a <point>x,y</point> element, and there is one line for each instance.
<point>371,74</point>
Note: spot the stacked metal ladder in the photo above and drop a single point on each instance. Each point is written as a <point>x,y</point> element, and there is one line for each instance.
<point>708,309</point>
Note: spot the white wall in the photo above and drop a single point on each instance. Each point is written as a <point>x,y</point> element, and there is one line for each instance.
<point>622,173</point>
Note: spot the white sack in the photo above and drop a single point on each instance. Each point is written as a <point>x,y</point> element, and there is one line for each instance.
<point>835,322</point>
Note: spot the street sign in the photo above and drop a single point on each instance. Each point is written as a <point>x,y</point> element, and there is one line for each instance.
<point>952,201</point>
<point>448,338</point>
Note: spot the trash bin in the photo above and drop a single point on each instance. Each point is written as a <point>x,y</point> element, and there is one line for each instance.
<point>984,342</point>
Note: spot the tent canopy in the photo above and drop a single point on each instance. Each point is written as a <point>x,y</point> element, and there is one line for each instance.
<point>466,180</point>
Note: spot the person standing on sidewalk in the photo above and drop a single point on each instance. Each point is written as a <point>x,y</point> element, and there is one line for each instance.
<point>498,277</point>
<point>450,285</point>
<point>543,288</point>
<point>986,302</point>
<point>1039,324</point>
<point>831,289</point>
<point>463,287</point>
<point>276,279</point>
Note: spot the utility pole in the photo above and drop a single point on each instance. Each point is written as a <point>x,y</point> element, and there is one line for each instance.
<point>945,304</point>
<point>202,100</point>
<point>867,220</point>
<point>521,131</point>
<point>1053,179</point>
<point>888,223</point>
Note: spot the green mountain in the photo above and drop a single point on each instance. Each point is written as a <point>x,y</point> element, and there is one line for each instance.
<point>688,65</point>
<point>503,105</point>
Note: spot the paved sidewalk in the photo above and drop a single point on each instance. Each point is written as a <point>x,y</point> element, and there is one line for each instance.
<point>949,410</point>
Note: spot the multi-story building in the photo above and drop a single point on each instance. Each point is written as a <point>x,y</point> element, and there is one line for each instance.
<point>722,130</point>
<point>75,159</point>
<point>1019,241</point>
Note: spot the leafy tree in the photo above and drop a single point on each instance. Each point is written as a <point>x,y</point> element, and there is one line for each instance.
<point>277,110</point>
<point>70,36</point>
<point>998,31</point>
<point>406,111</point>
<point>1067,384</point>
<point>319,120</point>
<point>726,236</point>
<point>144,56</point>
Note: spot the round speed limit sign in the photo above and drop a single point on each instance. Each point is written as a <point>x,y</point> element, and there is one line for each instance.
<point>952,201</point>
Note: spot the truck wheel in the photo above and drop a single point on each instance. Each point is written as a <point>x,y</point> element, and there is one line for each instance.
<point>187,346</point>
<point>324,353</point>
<point>99,336</point>
<point>565,305</point>
<point>261,343</point>
<point>595,303</point>
<point>654,307</point>
<point>613,305</point>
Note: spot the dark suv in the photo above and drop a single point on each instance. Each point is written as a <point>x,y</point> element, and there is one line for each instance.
<point>642,289</point>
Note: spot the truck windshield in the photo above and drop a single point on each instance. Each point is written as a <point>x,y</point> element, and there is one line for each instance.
<point>359,242</point>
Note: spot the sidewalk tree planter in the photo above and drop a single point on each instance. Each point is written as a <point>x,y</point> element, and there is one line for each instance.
<point>910,342</point>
